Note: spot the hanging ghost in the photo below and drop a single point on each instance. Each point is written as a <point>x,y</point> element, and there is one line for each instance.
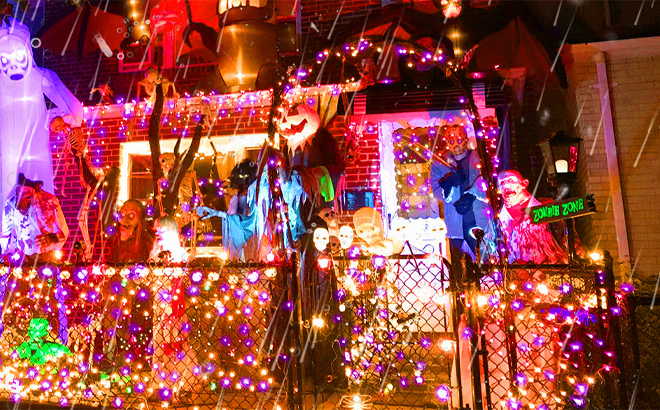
<point>24,134</point>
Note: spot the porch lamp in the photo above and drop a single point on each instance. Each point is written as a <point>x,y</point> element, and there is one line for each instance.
<point>560,153</point>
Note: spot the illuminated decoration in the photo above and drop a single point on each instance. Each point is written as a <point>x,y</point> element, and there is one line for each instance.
<point>568,208</point>
<point>527,240</point>
<point>369,228</point>
<point>297,125</point>
<point>24,136</point>
<point>208,326</point>
<point>35,349</point>
<point>451,8</point>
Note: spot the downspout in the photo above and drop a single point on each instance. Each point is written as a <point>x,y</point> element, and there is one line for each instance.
<point>612,160</point>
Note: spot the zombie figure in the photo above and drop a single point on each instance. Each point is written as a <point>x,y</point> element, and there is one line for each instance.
<point>152,78</point>
<point>527,242</point>
<point>34,225</point>
<point>167,246</point>
<point>133,242</point>
<point>461,188</point>
<point>24,139</point>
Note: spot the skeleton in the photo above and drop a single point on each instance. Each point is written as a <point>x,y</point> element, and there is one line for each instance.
<point>321,239</point>
<point>152,78</point>
<point>369,227</point>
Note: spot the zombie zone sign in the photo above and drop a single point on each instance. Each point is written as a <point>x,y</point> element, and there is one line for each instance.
<point>557,211</point>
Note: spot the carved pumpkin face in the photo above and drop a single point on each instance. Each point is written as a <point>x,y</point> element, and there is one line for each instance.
<point>15,58</point>
<point>297,124</point>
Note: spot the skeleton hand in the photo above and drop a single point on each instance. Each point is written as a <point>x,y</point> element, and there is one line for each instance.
<point>206,212</point>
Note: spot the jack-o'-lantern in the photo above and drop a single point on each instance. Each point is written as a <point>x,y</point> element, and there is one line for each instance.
<point>15,52</point>
<point>297,124</point>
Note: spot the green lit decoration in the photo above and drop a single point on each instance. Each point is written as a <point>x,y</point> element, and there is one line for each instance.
<point>35,348</point>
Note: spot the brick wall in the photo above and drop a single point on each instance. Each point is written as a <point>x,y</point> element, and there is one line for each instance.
<point>634,84</point>
<point>107,132</point>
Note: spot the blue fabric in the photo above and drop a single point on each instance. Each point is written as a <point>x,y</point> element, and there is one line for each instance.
<point>474,184</point>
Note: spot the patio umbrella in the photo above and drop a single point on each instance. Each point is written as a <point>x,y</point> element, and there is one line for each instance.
<point>85,30</point>
<point>516,47</point>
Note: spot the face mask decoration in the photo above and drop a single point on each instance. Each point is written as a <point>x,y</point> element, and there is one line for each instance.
<point>456,139</point>
<point>345,236</point>
<point>15,51</point>
<point>321,239</point>
<point>297,124</point>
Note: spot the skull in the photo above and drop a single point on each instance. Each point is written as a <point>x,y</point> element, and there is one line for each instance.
<point>58,126</point>
<point>399,229</point>
<point>456,138</point>
<point>321,239</point>
<point>15,51</point>
<point>451,8</point>
<point>437,227</point>
<point>330,218</point>
<point>166,162</point>
<point>297,124</point>
<point>335,245</point>
<point>346,236</point>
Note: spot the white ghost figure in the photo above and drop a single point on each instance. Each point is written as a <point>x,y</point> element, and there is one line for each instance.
<point>24,134</point>
<point>335,245</point>
<point>321,239</point>
<point>345,236</point>
<point>399,229</point>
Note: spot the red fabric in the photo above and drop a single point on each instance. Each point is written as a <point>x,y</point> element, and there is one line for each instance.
<point>57,37</point>
<point>178,301</point>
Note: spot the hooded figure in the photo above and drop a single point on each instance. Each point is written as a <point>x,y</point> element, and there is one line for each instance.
<point>24,135</point>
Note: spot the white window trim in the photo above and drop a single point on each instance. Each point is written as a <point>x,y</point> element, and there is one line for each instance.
<point>223,144</point>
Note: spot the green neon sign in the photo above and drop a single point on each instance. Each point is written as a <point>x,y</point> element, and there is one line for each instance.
<point>560,210</point>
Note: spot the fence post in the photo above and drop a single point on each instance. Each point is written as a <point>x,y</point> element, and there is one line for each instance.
<point>615,328</point>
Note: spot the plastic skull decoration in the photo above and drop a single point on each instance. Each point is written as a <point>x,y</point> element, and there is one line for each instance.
<point>321,239</point>
<point>335,244</point>
<point>330,218</point>
<point>15,51</point>
<point>456,138</point>
<point>297,124</point>
<point>437,227</point>
<point>345,236</point>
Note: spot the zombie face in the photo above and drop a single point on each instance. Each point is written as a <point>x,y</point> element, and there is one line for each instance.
<point>297,124</point>
<point>166,162</point>
<point>15,59</point>
<point>456,139</point>
<point>130,217</point>
<point>513,188</point>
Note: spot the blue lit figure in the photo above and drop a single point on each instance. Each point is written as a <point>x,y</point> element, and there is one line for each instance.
<point>459,185</point>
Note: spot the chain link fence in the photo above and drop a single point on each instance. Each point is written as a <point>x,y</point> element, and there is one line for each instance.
<point>365,333</point>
